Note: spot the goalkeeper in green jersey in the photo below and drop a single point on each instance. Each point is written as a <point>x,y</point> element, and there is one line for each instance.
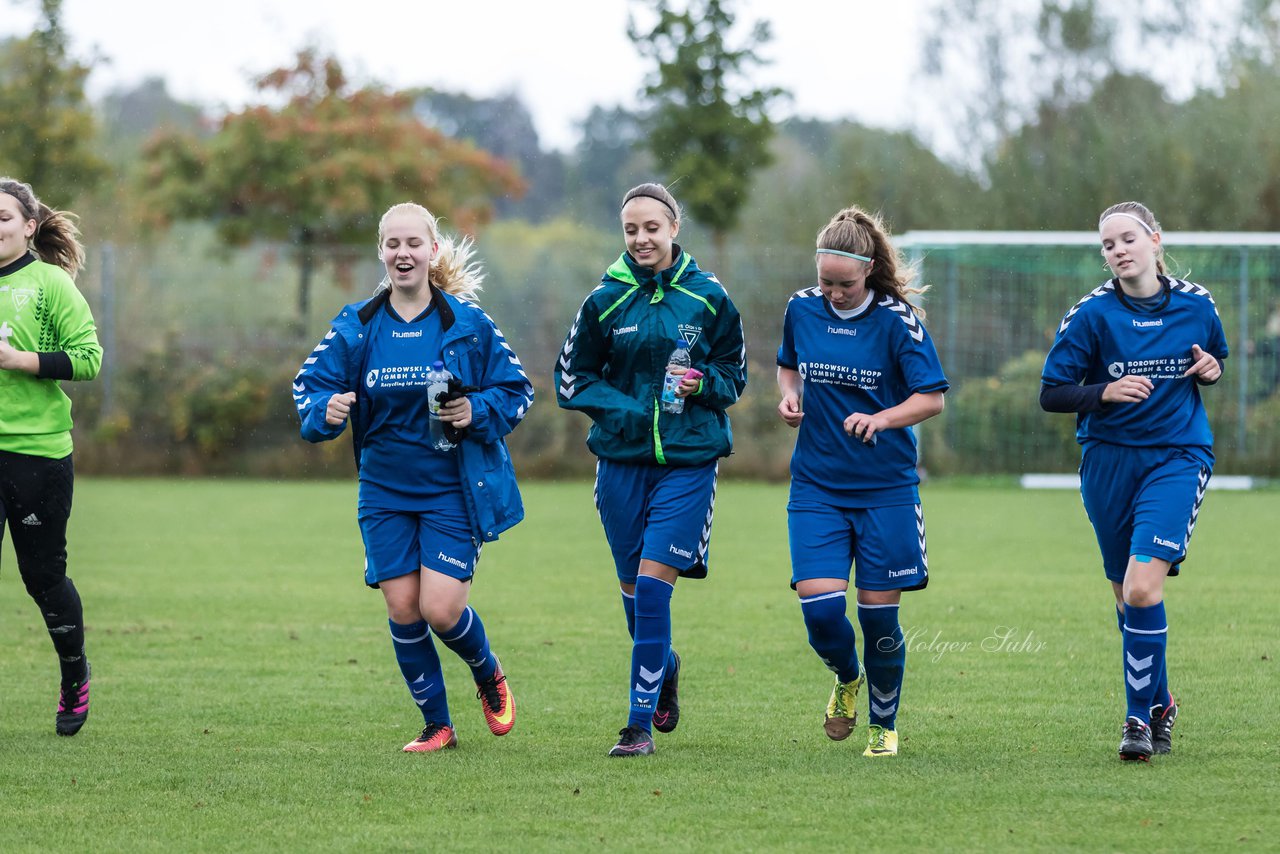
<point>46,335</point>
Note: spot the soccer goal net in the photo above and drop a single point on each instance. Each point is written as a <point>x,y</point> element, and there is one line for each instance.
<point>994,303</point>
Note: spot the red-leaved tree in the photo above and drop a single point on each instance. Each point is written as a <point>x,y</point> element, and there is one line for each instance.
<point>316,165</point>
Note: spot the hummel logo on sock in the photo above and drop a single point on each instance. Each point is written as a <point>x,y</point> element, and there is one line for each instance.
<point>31,520</point>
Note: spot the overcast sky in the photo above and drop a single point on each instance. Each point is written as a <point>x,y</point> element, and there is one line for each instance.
<point>839,58</point>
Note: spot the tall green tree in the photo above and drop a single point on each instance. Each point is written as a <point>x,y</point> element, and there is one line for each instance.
<point>709,128</point>
<point>318,168</point>
<point>47,127</point>
<point>992,66</point>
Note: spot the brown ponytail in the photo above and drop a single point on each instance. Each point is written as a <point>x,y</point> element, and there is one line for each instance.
<point>855,231</point>
<point>56,239</point>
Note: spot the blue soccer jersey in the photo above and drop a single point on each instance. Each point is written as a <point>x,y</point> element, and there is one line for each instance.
<point>868,363</point>
<point>1105,337</point>
<point>399,469</point>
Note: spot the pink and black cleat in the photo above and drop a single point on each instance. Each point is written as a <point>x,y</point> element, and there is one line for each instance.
<point>73,705</point>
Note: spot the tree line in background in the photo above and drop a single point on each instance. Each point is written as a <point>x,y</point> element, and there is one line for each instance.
<point>1097,105</point>
<point>1041,129</point>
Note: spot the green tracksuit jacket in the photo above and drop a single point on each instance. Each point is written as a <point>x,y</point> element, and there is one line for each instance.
<point>615,357</point>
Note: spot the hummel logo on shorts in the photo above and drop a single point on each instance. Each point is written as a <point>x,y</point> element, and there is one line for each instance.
<point>31,520</point>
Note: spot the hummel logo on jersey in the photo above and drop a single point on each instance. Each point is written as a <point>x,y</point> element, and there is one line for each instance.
<point>1168,544</point>
<point>31,520</point>
<point>681,552</point>
<point>897,573</point>
<point>417,333</point>
<point>625,330</point>
<point>835,330</point>
<point>1144,323</point>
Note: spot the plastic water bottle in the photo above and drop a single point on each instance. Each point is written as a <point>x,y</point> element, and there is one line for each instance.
<point>437,384</point>
<point>671,383</point>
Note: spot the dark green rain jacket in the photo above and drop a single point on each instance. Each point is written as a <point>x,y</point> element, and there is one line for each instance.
<point>615,357</point>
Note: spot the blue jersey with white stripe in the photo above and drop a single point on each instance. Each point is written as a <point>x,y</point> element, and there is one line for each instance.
<point>867,363</point>
<point>399,469</point>
<point>1105,337</point>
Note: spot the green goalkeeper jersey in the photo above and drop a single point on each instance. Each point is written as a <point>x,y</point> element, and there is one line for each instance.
<point>42,311</point>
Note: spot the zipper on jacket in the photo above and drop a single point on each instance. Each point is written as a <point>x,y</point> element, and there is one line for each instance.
<point>657,290</point>
<point>657,438</point>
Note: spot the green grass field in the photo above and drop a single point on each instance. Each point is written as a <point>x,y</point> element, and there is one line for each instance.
<point>246,697</point>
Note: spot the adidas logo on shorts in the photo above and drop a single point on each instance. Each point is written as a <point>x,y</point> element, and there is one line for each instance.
<point>31,520</point>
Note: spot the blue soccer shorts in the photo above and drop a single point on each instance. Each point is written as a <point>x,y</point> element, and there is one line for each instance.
<point>1142,501</point>
<point>885,544</point>
<point>658,513</point>
<point>398,542</point>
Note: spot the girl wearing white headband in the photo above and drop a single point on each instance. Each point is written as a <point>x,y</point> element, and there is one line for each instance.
<point>1129,360</point>
<point>856,353</point>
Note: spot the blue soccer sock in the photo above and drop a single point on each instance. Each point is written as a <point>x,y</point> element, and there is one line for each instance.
<point>1146,632</point>
<point>1162,696</point>
<point>831,634</point>
<point>629,608</point>
<point>885,657</point>
<point>420,665</point>
<point>651,649</point>
<point>468,639</point>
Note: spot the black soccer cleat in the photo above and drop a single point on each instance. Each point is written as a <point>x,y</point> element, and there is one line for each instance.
<point>1135,743</point>
<point>1162,719</point>
<point>632,741</point>
<point>666,713</point>
<point>73,705</point>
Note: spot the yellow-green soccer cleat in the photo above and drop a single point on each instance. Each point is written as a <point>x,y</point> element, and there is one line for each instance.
<point>881,742</point>
<point>842,708</point>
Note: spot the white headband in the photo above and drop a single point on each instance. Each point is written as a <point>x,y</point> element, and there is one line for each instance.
<point>852,255</point>
<point>1133,217</point>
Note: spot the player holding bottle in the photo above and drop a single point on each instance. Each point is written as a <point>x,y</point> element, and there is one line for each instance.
<point>656,476</point>
<point>1129,359</point>
<point>425,511</point>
